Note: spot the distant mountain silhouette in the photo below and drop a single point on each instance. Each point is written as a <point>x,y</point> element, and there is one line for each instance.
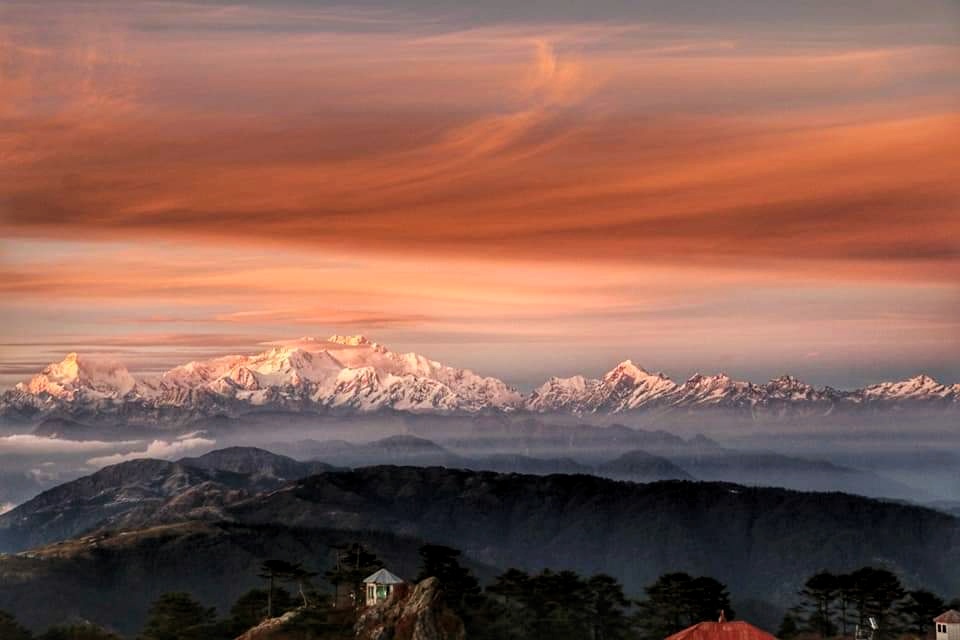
<point>649,456</point>
<point>255,462</point>
<point>640,466</point>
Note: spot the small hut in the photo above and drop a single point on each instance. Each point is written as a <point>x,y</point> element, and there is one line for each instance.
<point>948,625</point>
<point>379,586</point>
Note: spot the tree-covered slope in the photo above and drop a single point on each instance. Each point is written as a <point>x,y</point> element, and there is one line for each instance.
<point>760,541</point>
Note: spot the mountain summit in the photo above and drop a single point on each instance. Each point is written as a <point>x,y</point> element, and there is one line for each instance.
<point>355,375</point>
<point>343,373</point>
<point>74,375</point>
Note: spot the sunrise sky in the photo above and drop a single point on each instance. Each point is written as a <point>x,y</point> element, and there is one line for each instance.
<point>523,188</point>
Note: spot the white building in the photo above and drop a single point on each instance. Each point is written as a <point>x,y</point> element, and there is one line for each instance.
<point>948,625</point>
<point>379,586</point>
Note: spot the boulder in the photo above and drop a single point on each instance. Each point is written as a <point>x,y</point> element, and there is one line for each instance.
<point>418,614</point>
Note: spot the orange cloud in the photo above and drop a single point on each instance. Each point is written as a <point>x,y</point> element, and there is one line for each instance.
<point>271,168</point>
<point>564,166</point>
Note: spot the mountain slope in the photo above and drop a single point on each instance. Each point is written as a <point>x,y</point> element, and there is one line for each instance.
<point>640,466</point>
<point>258,464</point>
<point>764,468</point>
<point>142,492</point>
<point>112,578</point>
<point>145,490</point>
<point>403,450</point>
<point>762,542</point>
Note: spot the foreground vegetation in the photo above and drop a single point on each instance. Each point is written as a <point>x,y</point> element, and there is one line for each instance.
<point>517,605</point>
<point>833,605</point>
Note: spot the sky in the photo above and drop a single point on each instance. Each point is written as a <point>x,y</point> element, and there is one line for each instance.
<point>526,189</point>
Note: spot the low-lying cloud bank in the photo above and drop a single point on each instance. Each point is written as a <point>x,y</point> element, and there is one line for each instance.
<point>28,444</point>
<point>157,449</point>
<point>25,446</point>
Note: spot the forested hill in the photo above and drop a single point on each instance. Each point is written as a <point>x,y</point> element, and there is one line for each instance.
<point>762,542</point>
<point>111,578</point>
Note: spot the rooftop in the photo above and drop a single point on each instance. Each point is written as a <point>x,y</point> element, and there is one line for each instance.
<point>383,577</point>
<point>948,617</point>
<point>722,630</point>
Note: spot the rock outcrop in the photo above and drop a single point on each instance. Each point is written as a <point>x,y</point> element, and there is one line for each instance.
<point>272,628</point>
<point>420,614</point>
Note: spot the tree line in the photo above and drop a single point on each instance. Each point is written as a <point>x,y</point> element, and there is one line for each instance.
<point>519,605</point>
<point>832,605</point>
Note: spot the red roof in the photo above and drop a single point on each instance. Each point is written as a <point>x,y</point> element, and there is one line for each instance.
<point>949,617</point>
<point>736,630</point>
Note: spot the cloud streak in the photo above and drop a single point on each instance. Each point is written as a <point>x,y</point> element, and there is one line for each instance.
<point>567,141</point>
<point>182,177</point>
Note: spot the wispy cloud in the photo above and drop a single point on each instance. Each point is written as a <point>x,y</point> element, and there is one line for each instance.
<point>564,141</point>
<point>232,174</point>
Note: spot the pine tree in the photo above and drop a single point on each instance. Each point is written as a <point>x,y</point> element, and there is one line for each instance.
<point>817,598</point>
<point>352,563</point>
<point>788,627</point>
<point>302,578</point>
<point>918,609</point>
<point>273,571</point>
<point>845,597</point>
<point>677,600</point>
<point>457,582</point>
<point>877,593</point>
<point>511,591</point>
<point>608,608</point>
<point>177,616</point>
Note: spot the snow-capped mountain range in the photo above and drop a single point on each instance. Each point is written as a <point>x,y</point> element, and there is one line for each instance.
<point>352,374</point>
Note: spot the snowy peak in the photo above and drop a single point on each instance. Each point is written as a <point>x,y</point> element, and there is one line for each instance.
<point>626,369</point>
<point>73,375</point>
<point>718,390</point>
<point>570,395</point>
<point>354,374</point>
<point>700,381</point>
<point>918,387</point>
<point>630,388</point>
<point>623,388</point>
<point>292,366</point>
<point>788,388</point>
<point>332,343</point>
<point>344,373</point>
<point>353,341</point>
<point>786,382</point>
